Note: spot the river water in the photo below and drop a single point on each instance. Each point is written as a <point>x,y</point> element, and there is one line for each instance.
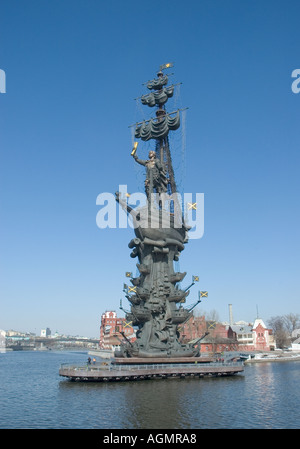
<point>33,396</point>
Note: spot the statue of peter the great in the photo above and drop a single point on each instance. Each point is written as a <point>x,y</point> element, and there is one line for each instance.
<point>156,179</point>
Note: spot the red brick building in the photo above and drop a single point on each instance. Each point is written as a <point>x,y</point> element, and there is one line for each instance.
<point>111,330</point>
<point>220,337</point>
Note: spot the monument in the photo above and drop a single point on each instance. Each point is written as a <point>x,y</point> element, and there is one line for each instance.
<point>155,297</point>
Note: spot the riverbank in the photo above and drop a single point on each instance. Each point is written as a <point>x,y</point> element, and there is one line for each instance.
<point>282,356</point>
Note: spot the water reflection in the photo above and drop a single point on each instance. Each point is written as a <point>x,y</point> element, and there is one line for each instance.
<point>155,404</point>
<point>272,394</point>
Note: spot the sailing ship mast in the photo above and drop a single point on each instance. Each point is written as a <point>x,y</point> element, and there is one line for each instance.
<point>159,127</point>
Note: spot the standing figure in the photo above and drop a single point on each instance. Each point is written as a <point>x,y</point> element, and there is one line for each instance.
<point>156,179</point>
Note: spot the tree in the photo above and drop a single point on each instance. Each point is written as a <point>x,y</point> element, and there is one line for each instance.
<point>292,322</point>
<point>280,331</point>
<point>213,315</point>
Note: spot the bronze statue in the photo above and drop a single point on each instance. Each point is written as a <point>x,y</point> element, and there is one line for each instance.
<point>156,179</point>
<point>156,292</point>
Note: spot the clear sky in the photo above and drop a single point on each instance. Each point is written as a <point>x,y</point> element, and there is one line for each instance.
<point>73,69</point>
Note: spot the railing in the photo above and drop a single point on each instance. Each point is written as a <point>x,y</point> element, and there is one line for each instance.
<point>140,367</point>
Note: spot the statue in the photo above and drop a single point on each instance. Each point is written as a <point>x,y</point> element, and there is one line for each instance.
<point>156,179</point>
<point>158,242</point>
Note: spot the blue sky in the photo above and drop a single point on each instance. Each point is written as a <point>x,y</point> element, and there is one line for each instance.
<point>73,70</point>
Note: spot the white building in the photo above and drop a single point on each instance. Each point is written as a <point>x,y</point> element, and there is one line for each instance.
<point>2,340</point>
<point>46,332</point>
<point>243,333</point>
<point>296,344</point>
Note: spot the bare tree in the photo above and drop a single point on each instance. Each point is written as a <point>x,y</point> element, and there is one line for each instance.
<point>281,333</point>
<point>213,315</point>
<point>292,322</point>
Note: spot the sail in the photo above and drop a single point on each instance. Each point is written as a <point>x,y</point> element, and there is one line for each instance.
<point>158,83</point>
<point>157,129</point>
<point>158,98</point>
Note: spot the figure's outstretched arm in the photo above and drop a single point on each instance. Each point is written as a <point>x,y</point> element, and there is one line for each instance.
<point>139,161</point>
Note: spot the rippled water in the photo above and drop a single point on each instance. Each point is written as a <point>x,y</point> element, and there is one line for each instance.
<point>32,395</point>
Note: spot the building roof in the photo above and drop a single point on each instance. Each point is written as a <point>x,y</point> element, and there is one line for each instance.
<point>209,339</point>
<point>242,329</point>
<point>296,333</point>
<point>258,322</point>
